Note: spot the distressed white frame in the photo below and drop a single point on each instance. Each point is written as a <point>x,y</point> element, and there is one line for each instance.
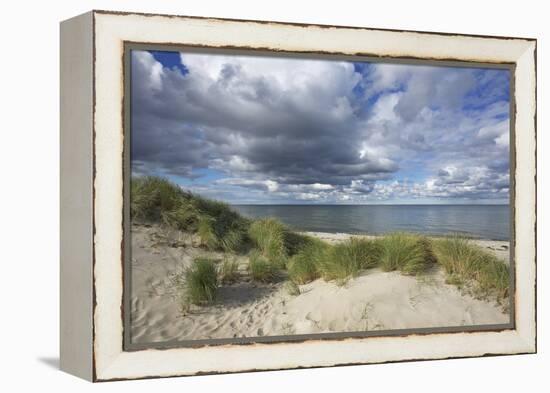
<point>111,30</point>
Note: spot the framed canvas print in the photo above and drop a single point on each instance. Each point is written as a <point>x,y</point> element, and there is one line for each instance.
<point>245,195</point>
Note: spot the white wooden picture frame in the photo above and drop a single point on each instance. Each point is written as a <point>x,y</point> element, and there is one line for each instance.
<point>92,194</point>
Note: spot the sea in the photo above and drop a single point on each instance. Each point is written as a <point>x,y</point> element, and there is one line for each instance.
<point>475,221</point>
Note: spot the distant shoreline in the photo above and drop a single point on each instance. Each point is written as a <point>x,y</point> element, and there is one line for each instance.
<point>490,222</point>
<point>382,234</point>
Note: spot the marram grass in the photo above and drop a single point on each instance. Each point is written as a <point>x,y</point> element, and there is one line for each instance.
<point>158,200</point>
<point>303,267</point>
<point>228,270</point>
<point>201,281</point>
<point>292,288</point>
<point>345,260</point>
<point>268,236</point>
<point>151,197</point>
<point>465,262</point>
<point>410,254</point>
<point>260,268</point>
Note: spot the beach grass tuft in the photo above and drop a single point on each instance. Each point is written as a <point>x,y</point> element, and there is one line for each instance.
<point>292,288</point>
<point>303,267</point>
<point>410,254</point>
<point>220,227</point>
<point>201,281</point>
<point>465,262</point>
<point>159,200</point>
<point>268,236</point>
<point>205,230</point>
<point>345,260</point>
<point>151,197</point>
<point>184,216</point>
<point>260,268</point>
<point>296,242</point>
<point>228,270</point>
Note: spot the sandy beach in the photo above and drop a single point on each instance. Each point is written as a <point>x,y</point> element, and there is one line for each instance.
<point>375,300</point>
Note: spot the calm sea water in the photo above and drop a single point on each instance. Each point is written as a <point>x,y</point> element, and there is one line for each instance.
<point>480,221</point>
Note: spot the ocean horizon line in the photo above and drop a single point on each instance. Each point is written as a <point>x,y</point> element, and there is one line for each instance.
<point>483,220</point>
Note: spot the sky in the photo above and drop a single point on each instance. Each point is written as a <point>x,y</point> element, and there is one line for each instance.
<point>282,130</point>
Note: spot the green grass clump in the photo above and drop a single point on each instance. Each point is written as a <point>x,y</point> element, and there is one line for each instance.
<point>260,268</point>
<point>268,236</point>
<point>223,232</point>
<point>465,262</point>
<point>184,217</point>
<point>292,288</point>
<point>229,270</point>
<point>454,279</point>
<point>151,197</point>
<point>347,259</point>
<point>296,242</point>
<point>228,226</point>
<point>158,200</point>
<point>407,253</point>
<point>220,227</point>
<point>303,267</point>
<point>201,281</point>
<point>205,230</point>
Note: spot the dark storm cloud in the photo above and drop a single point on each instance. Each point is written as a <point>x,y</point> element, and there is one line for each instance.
<point>302,132</point>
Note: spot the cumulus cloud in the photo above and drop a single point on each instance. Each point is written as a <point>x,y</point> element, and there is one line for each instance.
<point>264,129</point>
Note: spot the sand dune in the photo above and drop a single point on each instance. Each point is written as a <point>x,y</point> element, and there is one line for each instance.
<point>375,300</point>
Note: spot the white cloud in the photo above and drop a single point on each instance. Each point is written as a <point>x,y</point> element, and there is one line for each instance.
<point>503,140</point>
<point>307,196</point>
<point>319,186</point>
<point>153,69</point>
<point>498,132</point>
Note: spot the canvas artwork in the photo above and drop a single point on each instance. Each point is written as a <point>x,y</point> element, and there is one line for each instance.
<point>274,197</point>
<point>240,195</point>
